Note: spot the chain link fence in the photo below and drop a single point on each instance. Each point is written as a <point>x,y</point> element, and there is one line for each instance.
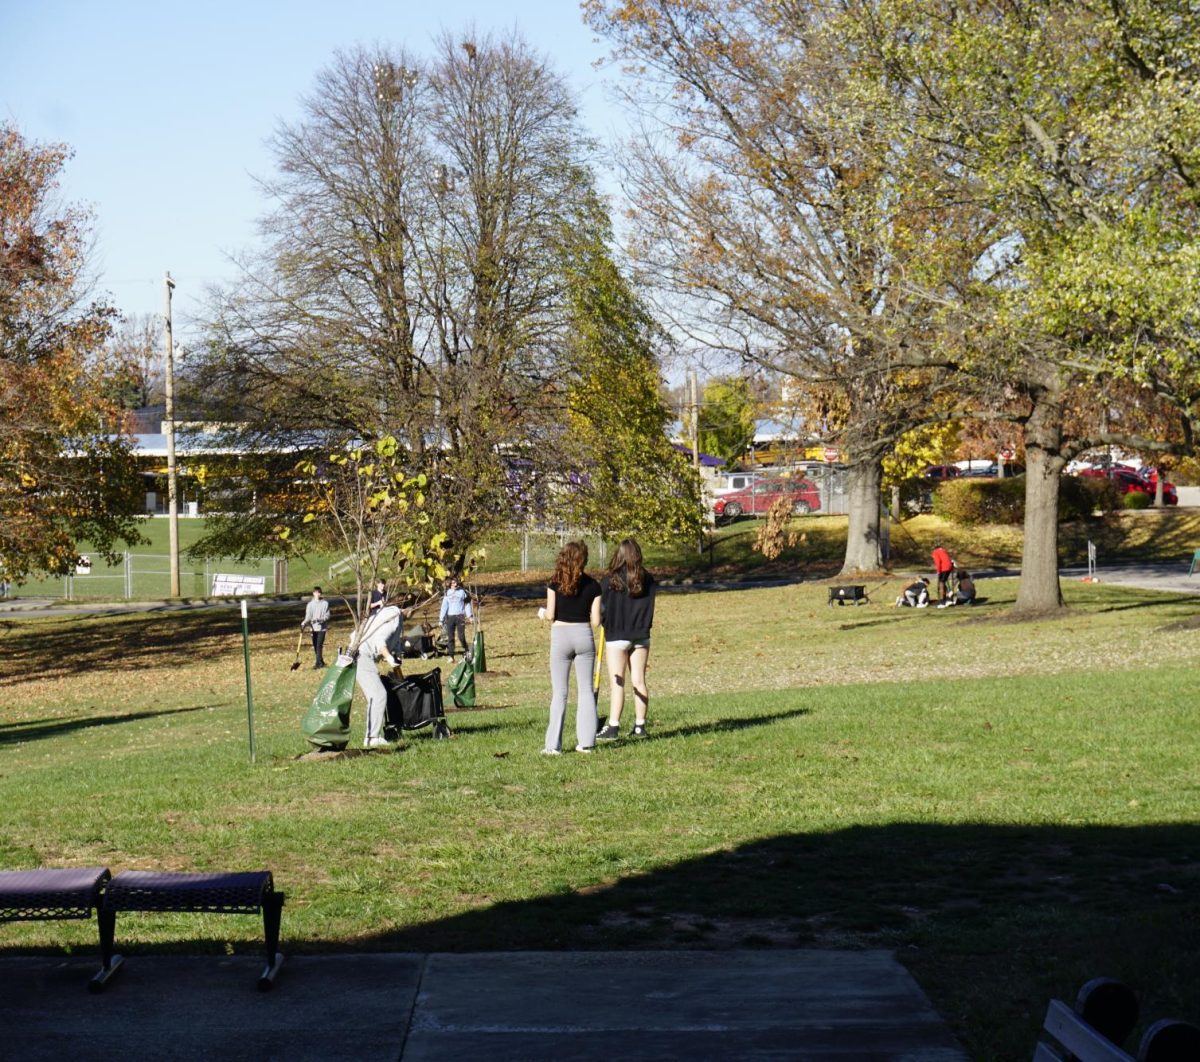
<point>147,576</point>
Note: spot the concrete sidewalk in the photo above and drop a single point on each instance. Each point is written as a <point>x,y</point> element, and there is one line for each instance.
<point>528,1006</point>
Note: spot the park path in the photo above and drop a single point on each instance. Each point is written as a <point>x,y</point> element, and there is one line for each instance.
<point>529,1006</point>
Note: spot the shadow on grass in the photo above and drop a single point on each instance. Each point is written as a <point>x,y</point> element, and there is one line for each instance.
<point>1154,602</point>
<point>88,644</point>
<point>993,920</point>
<point>35,729</point>
<point>741,722</point>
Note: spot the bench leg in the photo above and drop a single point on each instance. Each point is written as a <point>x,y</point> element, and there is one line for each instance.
<point>110,962</point>
<point>272,915</point>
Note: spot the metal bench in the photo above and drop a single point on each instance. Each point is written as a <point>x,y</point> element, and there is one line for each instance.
<point>52,894</point>
<point>1104,1015</point>
<point>148,890</point>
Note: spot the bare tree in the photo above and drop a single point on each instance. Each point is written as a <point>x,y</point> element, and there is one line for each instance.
<point>412,282</point>
<point>133,358</point>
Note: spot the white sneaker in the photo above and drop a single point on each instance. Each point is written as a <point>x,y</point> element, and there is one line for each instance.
<point>924,604</point>
<point>377,743</point>
<point>551,752</point>
<point>585,748</point>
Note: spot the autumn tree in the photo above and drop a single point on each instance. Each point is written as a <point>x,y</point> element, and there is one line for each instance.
<point>67,475</point>
<point>1080,124</point>
<point>783,213</point>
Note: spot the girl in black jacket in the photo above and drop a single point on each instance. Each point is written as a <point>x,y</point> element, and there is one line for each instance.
<point>627,594</point>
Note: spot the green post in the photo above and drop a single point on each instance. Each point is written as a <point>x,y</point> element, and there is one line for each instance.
<point>249,692</point>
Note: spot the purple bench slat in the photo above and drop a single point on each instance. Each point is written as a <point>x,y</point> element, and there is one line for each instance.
<point>150,890</point>
<point>50,894</point>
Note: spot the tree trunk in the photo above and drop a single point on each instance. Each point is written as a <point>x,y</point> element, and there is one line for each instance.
<point>863,553</point>
<point>1158,488</point>
<point>1039,589</point>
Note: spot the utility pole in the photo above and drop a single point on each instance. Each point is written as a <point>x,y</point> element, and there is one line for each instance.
<point>694,411</point>
<point>172,487</point>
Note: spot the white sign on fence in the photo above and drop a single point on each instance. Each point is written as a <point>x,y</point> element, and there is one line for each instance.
<point>84,567</point>
<point>238,585</point>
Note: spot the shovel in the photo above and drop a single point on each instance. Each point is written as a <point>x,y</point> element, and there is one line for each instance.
<point>299,641</point>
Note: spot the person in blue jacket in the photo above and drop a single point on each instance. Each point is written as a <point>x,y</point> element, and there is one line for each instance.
<point>454,615</point>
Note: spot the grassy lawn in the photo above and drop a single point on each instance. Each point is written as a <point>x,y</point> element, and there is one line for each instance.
<point>1169,535</point>
<point>1012,807</point>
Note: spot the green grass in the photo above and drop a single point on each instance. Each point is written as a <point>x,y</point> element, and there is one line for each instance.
<point>1011,807</point>
<point>1168,535</point>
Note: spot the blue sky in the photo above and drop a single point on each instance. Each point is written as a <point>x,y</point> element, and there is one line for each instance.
<point>167,107</point>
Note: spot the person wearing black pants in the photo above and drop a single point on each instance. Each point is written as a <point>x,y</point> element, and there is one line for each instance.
<point>316,619</point>
<point>455,612</point>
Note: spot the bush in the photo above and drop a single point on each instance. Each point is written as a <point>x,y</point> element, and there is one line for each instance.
<point>1081,496</point>
<point>1136,499</point>
<point>1002,501</point>
<point>981,501</point>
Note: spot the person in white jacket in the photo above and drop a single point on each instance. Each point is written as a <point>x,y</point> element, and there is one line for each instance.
<point>373,645</point>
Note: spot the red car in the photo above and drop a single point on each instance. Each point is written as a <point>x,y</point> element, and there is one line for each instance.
<point>1128,482</point>
<point>758,498</point>
<point>942,472</point>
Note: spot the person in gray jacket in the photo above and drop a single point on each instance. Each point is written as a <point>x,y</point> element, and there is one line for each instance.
<point>316,619</point>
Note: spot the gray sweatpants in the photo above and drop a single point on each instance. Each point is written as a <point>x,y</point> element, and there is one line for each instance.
<point>572,642</point>
<point>367,675</point>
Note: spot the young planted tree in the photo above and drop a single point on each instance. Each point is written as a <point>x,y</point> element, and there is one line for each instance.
<point>783,208</point>
<point>67,474</point>
<point>362,500</point>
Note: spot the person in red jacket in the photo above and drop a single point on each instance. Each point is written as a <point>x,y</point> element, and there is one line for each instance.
<point>943,566</point>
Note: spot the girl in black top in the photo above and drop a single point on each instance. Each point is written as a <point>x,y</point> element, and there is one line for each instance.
<point>627,592</point>
<point>573,608</point>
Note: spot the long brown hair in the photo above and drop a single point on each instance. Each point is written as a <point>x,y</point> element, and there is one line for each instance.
<point>625,570</point>
<point>568,569</point>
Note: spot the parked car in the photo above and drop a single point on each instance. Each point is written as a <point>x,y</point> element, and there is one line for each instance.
<point>758,498</point>
<point>1127,481</point>
<point>991,471</point>
<point>942,472</point>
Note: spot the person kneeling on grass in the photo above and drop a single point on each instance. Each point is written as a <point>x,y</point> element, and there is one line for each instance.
<point>964,594</point>
<point>915,595</point>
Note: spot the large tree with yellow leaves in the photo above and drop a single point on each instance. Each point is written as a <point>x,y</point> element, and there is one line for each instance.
<point>67,475</point>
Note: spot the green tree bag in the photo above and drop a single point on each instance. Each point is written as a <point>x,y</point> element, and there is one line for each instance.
<point>327,724</point>
<point>461,684</point>
<point>478,654</point>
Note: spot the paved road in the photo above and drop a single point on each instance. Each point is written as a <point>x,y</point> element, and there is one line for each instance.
<point>528,1006</point>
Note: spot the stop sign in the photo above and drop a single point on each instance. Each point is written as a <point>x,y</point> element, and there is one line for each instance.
<point>831,453</point>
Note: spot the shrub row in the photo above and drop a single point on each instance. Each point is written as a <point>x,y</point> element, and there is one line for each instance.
<point>1002,501</point>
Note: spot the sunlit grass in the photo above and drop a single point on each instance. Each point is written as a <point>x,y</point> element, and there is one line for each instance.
<point>999,802</point>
